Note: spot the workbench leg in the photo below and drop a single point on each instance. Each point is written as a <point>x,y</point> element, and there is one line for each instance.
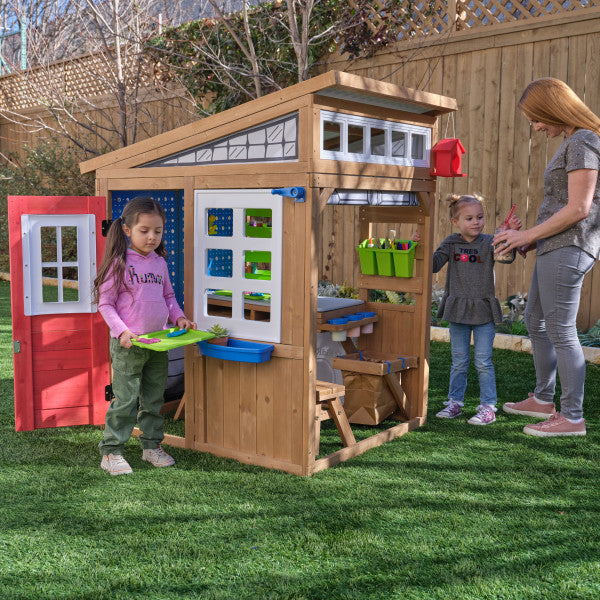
<point>317,437</point>
<point>180,409</point>
<point>398,393</point>
<point>336,410</point>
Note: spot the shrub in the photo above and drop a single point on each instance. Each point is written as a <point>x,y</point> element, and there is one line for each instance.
<point>48,169</point>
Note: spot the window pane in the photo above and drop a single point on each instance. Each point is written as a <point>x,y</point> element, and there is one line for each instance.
<point>257,306</point>
<point>258,222</point>
<point>68,236</point>
<point>220,221</point>
<point>257,265</point>
<point>398,144</point>
<point>70,284</point>
<point>356,139</point>
<point>417,149</point>
<point>377,142</point>
<point>219,262</point>
<point>48,239</point>
<point>50,287</point>
<point>218,303</point>
<point>332,136</point>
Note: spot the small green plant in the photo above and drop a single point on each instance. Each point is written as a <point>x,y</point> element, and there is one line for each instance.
<point>218,331</point>
<point>591,337</point>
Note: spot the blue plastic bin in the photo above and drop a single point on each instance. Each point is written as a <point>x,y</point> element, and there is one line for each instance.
<point>238,350</point>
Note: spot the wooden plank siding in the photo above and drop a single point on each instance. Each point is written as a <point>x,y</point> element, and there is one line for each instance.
<point>486,70</point>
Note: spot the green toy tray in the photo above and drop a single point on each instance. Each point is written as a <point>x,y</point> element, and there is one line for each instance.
<point>168,343</point>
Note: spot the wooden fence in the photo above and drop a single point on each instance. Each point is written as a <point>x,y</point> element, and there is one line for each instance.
<point>483,53</point>
<point>486,70</point>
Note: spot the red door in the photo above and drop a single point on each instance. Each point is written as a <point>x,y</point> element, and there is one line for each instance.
<point>60,341</point>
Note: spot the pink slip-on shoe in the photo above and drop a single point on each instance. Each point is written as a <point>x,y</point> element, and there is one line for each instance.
<point>531,407</point>
<point>555,426</point>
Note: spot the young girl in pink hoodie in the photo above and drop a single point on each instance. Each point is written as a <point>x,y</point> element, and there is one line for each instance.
<point>135,296</point>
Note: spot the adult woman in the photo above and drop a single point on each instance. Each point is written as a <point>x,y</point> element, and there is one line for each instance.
<point>567,239</point>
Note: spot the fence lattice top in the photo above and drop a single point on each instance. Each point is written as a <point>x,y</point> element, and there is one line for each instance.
<point>430,17</point>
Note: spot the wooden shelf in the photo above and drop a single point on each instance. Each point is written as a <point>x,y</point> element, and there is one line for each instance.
<point>394,284</point>
<point>348,325</point>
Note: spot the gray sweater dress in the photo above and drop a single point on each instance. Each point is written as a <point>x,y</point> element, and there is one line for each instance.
<point>469,295</point>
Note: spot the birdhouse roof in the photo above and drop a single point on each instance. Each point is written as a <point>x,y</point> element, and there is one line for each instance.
<point>448,145</point>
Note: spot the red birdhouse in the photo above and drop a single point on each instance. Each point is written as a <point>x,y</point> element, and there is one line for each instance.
<point>446,158</point>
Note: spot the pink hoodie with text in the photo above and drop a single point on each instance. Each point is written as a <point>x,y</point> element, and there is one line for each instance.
<point>146,301</point>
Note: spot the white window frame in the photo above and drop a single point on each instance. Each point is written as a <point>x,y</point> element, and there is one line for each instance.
<point>239,200</point>
<point>33,299</point>
<point>344,119</point>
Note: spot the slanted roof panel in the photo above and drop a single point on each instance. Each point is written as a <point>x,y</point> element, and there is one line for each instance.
<point>367,91</point>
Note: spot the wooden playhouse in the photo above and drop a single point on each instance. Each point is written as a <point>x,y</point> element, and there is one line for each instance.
<point>245,191</point>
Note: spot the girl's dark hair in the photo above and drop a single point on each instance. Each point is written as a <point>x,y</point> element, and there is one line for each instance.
<point>115,253</point>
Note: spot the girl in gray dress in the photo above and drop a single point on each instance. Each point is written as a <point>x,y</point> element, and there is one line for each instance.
<point>567,240</point>
<point>470,305</point>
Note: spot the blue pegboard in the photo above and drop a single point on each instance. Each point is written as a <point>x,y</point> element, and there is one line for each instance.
<point>172,203</point>
<point>220,222</point>
<point>219,262</point>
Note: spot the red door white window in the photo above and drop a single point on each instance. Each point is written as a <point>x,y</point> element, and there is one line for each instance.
<point>60,341</point>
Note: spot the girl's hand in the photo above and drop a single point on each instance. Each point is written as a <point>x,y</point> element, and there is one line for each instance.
<point>514,223</point>
<point>184,323</point>
<point>126,337</point>
<point>416,236</point>
<point>523,250</point>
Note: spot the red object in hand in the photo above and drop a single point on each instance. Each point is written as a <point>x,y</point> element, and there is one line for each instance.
<point>510,214</point>
<point>446,158</point>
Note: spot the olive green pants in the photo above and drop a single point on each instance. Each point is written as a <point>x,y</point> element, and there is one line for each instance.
<point>138,374</point>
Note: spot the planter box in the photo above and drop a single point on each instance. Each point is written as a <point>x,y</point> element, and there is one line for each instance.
<point>238,350</point>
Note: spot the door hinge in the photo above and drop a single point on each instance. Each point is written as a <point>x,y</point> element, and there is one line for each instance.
<point>16,346</point>
<point>106,223</point>
<point>108,393</point>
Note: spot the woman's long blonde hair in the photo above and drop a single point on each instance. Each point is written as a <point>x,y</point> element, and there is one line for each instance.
<point>551,101</point>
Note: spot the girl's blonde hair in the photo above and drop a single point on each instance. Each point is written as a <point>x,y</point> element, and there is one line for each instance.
<point>551,101</point>
<point>456,202</point>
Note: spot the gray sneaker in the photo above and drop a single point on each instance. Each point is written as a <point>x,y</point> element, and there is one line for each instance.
<point>158,457</point>
<point>452,410</point>
<point>115,464</point>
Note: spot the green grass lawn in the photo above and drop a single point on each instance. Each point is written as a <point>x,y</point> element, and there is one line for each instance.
<point>449,511</point>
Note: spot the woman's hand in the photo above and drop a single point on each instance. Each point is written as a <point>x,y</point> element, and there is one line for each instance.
<point>184,323</point>
<point>512,238</point>
<point>126,337</point>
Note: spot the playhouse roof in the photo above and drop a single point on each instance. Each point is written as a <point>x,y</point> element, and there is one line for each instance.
<point>335,84</point>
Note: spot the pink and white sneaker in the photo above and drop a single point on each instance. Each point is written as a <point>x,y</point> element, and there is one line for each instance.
<point>531,407</point>
<point>484,416</point>
<point>556,426</point>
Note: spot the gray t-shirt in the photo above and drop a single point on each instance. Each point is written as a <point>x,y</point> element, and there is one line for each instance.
<point>579,151</point>
<point>469,296</point>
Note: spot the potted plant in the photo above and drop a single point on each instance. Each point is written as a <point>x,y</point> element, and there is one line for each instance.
<point>221,335</point>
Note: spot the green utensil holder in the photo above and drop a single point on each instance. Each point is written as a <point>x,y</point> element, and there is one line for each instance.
<point>368,264</point>
<point>404,260</point>
<point>385,262</point>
